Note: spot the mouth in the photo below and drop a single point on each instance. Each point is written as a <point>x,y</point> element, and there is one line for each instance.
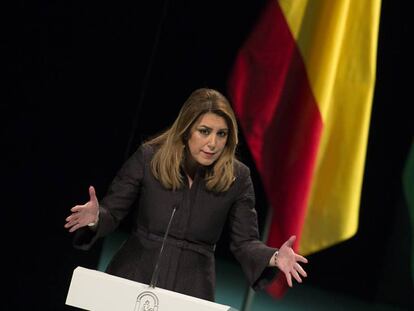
<point>208,154</point>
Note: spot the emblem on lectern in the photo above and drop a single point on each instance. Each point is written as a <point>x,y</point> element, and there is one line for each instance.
<point>146,301</point>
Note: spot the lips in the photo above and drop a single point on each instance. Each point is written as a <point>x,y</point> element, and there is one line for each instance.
<point>208,154</point>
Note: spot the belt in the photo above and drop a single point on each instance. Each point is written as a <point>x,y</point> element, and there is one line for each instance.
<point>206,249</point>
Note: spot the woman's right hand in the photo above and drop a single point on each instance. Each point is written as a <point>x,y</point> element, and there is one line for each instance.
<point>83,215</point>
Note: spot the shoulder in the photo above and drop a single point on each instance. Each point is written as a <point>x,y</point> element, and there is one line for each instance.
<point>243,183</point>
<point>142,154</point>
<point>241,170</point>
<point>146,151</point>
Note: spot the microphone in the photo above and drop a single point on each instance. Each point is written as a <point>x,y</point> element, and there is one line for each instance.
<point>156,269</point>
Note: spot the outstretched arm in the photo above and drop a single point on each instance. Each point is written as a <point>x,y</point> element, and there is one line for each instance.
<point>288,262</point>
<point>84,215</point>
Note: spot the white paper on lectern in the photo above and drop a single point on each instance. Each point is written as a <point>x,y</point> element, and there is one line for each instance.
<point>99,291</point>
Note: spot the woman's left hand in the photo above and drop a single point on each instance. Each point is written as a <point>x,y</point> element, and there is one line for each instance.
<point>288,262</point>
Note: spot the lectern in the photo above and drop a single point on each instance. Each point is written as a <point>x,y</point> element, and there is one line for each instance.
<point>99,291</point>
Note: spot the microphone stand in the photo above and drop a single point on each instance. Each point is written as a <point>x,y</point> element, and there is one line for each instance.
<point>156,269</point>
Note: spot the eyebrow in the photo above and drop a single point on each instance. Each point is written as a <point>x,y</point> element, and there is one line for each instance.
<point>209,128</point>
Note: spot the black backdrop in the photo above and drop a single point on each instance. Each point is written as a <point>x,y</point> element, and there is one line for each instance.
<point>86,82</point>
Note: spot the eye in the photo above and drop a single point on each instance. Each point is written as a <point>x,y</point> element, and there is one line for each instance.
<point>222,133</point>
<point>204,131</point>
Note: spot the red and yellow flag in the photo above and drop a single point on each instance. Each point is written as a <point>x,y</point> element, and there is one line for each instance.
<point>302,88</point>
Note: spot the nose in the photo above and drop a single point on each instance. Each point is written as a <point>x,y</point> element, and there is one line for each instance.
<point>212,142</point>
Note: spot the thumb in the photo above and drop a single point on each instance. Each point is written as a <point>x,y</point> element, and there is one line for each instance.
<point>291,240</point>
<point>92,194</point>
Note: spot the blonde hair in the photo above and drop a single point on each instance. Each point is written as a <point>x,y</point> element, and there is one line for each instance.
<point>169,156</point>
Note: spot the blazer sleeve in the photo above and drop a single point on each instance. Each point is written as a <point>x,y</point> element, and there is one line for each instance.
<point>252,254</point>
<point>121,194</point>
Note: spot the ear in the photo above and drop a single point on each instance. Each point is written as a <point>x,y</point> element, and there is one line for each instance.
<point>184,140</point>
<point>186,136</point>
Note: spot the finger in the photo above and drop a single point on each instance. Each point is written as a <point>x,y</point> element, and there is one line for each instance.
<point>92,194</point>
<point>72,223</point>
<point>300,270</point>
<point>76,224</point>
<point>72,217</point>
<point>77,208</point>
<point>69,225</point>
<point>288,278</point>
<point>296,276</point>
<point>291,240</point>
<point>74,228</point>
<point>301,258</point>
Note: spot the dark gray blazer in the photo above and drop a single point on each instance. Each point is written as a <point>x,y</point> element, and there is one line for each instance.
<point>187,265</point>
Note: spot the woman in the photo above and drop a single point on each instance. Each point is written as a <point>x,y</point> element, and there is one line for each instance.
<point>189,172</point>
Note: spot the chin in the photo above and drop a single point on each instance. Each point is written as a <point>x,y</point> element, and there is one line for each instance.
<point>205,162</point>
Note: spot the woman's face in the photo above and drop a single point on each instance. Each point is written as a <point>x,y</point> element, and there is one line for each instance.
<point>208,137</point>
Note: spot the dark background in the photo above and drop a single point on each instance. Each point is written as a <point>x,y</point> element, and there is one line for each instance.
<point>85,83</point>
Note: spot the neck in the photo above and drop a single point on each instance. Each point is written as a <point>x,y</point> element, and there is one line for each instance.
<point>190,167</point>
